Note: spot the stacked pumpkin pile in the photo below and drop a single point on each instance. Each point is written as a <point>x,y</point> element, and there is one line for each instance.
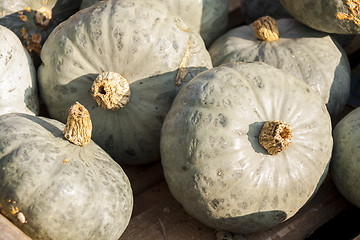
<point>241,120</point>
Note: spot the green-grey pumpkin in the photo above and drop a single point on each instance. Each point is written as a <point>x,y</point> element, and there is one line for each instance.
<point>33,20</point>
<point>207,17</point>
<point>18,92</point>
<point>345,165</point>
<point>51,188</point>
<point>141,52</point>
<point>308,54</point>
<point>333,16</point>
<point>211,155</point>
<point>254,9</point>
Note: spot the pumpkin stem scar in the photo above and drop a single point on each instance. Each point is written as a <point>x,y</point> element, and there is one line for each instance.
<point>111,90</point>
<point>354,7</point>
<point>275,136</point>
<point>78,126</point>
<point>183,70</point>
<point>266,29</point>
<point>43,16</point>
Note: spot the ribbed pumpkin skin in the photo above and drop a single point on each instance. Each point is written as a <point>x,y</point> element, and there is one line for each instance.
<point>213,162</point>
<point>345,165</point>
<point>321,15</point>
<point>308,54</point>
<point>18,92</point>
<point>140,40</point>
<point>207,17</point>
<point>88,197</point>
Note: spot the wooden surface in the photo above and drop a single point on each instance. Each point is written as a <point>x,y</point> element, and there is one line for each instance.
<point>161,217</point>
<point>157,215</point>
<point>9,232</point>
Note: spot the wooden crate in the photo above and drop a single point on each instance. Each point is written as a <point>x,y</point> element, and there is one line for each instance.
<point>157,215</point>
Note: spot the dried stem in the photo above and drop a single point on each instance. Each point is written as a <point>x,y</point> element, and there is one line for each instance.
<point>275,136</point>
<point>266,29</point>
<point>78,126</point>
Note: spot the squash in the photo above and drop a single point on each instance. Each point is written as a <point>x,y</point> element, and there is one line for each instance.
<point>354,99</point>
<point>245,146</point>
<point>333,16</point>
<point>133,56</point>
<point>308,54</point>
<point>345,165</point>
<point>255,9</point>
<point>33,20</point>
<point>207,17</point>
<point>18,92</point>
<point>54,188</point>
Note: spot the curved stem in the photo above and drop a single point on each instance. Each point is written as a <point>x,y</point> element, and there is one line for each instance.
<point>78,126</point>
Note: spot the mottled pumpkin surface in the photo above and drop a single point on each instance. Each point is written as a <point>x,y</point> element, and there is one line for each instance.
<point>142,41</point>
<point>211,156</point>
<point>345,163</point>
<point>18,91</point>
<point>332,16</point>
<point>53,189</point>
<point>307,54</point>
<point>207,17</point>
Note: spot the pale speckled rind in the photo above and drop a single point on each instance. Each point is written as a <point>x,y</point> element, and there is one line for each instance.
<point>87,196</point>
<point>308,54</point>
<point>345,161</point>
<point>207,17</point>
<point>213,163</point>
<point>321,15</point>
<point>18,91</point>
<point>145,44</point>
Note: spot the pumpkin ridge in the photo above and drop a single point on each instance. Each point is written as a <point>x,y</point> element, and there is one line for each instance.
<point>250,89</point>
<point>70,43</point>
<point>75,46</point>
<point>312,56</point>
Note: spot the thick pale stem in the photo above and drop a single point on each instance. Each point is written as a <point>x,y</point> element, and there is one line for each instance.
<point>43,16</point>
<point>111,90</point>
<point>266,29</point>
<point>78,126</point>
<point>275,136</point>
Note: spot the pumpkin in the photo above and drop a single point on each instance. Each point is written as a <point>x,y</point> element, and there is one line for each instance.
<point>354,99</point>
<point>345,166</point>
<point>308,54</point>
<point>124,61</point>
<point>33,20</point>
<point>54,188</point>
<point>18,92</point>
<point>333,16</point>
<point>254,9</point>
<point>207,17</point>
<point>245,146</point>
